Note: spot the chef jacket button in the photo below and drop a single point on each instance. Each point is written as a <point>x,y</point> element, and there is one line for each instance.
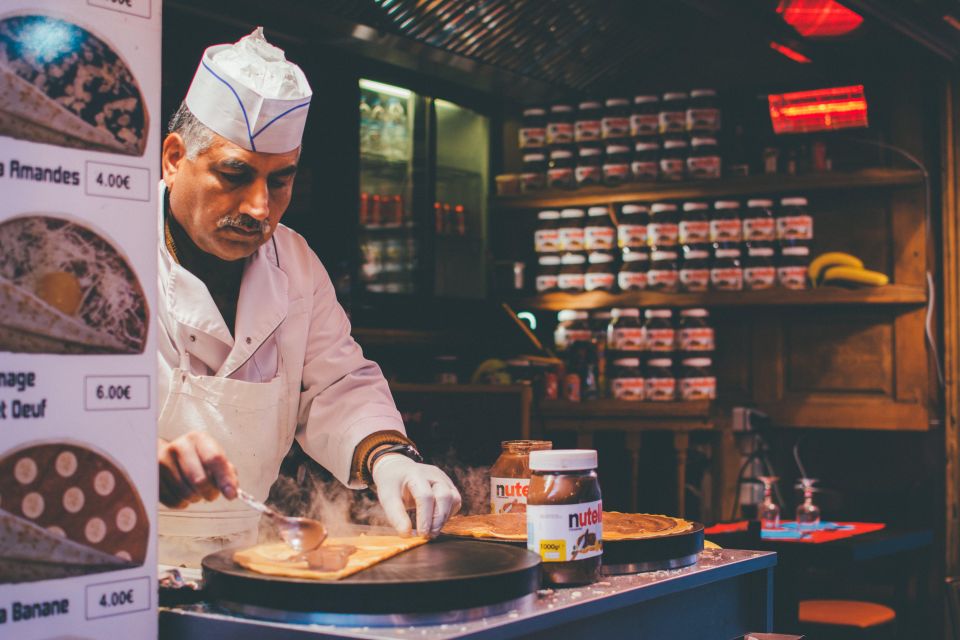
<point>193,338</point>
<point>249,339</point>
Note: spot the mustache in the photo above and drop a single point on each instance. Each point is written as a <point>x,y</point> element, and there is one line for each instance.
<point>244,222</point>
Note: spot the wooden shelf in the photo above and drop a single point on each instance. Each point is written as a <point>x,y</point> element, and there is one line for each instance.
<point>763,184</point>
<point>601,409</point>
<point>891,295</point>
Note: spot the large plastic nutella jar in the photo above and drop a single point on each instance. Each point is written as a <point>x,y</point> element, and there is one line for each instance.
<point>645,117</point>
<point>560,173</point>
<point>792,270</point>
<point>571,229</point>
<point>533,128</point>
<point>601,272</point>
<point>565,515</point>
<point>616,162</point>
<point>664,229</point>
<point>673,113</point>
<point>660,380</point>
<point>534,175</point>
<point>697,380</point>
<point>645,166</point>
<point>695,269</point>
<point>673,160</point>
<point>696,334</point>
<point>616,118</point>
<point>725,223</point>
<point>510,475</point>
<point>560,124</point>
<point>703,111</point>
<point>759,270</point>
<point>548,273</point>
<point>726,273</point>
<point>659,331</point>
<point>794,221</point>
<point>589,170</point>
<point>663,273</point>
<point>573,270</point>
<point>759,224</point>
<point>633,271</point>
<point>695,223</point>
<point>632,226</point>
<point>626,332</point>
<point>587,126</point>
<point>546,239</point>
<point>626,380</point>
<point>599,232</point>
<point>573,326</point>
<point>704,162</point>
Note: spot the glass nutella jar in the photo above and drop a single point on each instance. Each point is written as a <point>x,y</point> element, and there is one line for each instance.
<point>560,173</point>
<point>626,331</point>
<point>601,273</point>
<point>534,174</point>
<point>663,229</point>
<point>599,232</point>
<point>571,229</point>
<point>548,273</point>
<point>660,380</point>
<point>659,331</point>
<point>694,225</point>
<point>560,124</point>
<point>546,239</point>
<point>673,160</point>
<point>697,380</point>
<point>626,380</point>
<point>533,128</point>
<point>589,169</point>
<point>759,224</point>
<point>510,475</point>
<point>616,162</point>
<point>673,113</point>
<point>616,118</point>
<point>587,126</point>
<point>725,223</point>
<point>703,111</point>
<point>663,274</point>
<point>726,273</point>
<point>572,327</point>
<point>645,166</point>
<point>632,226</point>
<point>759,269</point>
<point>633,271</point>
<point>696,334</point>
<point>695,269</point>
<point>572,277</point>
<point>794,221</point>
<point>565,515</point>
<point>645,116</point>
<point>704,162</point>
<point>792,269</point>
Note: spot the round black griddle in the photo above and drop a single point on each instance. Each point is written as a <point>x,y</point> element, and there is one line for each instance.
<point>440,576</point>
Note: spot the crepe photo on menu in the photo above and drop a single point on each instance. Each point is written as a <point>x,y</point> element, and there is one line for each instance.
<point>65,288</point>
<point>67,510</point>
<point>60,84</point>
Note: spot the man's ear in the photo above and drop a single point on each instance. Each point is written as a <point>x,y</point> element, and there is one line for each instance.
<point>174,152</point>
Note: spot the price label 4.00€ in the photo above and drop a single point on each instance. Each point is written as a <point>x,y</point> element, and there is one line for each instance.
<point>112,393</point>
<point>117,181</point>
<point>116,598</point>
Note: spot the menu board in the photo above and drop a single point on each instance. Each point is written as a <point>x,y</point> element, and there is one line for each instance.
<point>79,166</point>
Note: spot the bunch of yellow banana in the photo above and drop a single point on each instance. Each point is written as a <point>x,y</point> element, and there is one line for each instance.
<point>843,269</point>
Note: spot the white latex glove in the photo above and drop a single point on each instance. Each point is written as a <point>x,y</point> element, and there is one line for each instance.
<point>404,484</point>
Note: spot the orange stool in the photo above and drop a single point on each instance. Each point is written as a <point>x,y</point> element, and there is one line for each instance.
<point>847,618</point>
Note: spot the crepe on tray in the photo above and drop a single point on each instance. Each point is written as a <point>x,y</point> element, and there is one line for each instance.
<point>616,526</point>
<point>278,559</point>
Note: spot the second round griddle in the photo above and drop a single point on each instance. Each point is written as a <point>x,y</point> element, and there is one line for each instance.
<point>441,575</point>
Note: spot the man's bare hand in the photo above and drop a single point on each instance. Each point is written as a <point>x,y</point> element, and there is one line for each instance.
<point>192,468</point>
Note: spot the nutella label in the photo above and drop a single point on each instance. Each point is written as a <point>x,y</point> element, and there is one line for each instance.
<point>587,175</point>
<point>571,238</point>
<point>695,279</point>
<point>759,229</point>
<point>565,532</point>
<point>663,234</point>
<point>628,281</point>
<point>627,339</point>
<point>547,283</point>
<point>662,279</point>
<point>673,121</point>
<point>632,236</point>
<point>577,335</point>
<point>703,119</point>
<point>532,137</point>
<point>661,389</point>
<point>698,388</point>
<point>616,127</point>
<point>697,339</point>
<point>672,168</point>
<point>599,238</point>
<point>645,169</point>
<point>644,124</point>
<point>694,232</point>
<point>620,171</point>
<point>628,389</point>
<point>704,167</point>
<point>725,230</point>
<point>795,228</point>
<point>559,133</point>
<point>559,176</point>
<point>727,279</point>
<point>598,281</point>
<point>586,130</point>
<point>759,277</point>
<point>571,281</point>
<point>661,339</point>
<point>508,495</point>
<point>792,277</point>
<point>546,240</point>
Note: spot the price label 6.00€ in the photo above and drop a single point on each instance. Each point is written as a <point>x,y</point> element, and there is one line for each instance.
<point>112,393</point>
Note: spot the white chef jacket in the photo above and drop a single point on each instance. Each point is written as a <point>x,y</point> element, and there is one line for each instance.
<point>287,308</point>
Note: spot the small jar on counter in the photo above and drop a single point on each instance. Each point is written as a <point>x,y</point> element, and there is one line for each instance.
<point>626,380</point>
<point>695,268</point>
<point>703,111</point>
<point>695,335</point>
<point>759,224</point>
<point>725,223</point>
<point>663,231</point>
<point>704,162</point>
<point>726,273</point>
<point>664,272</point>
<point>601,273</point>
<point>560,124</point>
<point>794,221</point>
<point>587,126</point>
<point>660,379</point>
<point>572,327</point>
<point>572,277</point>
<point>571,229</point>
<point>626,332</point>
<point>534,174</point>
<point>546,238</point>
<point>533,128</point>
<point>792,269</point>
<point>510,475</point>
<point>560,173</point>
<point>645,116</point>
<point>697,380</point>
<point>616,118</point>
<point>548,273</point>
<point>673,160</point>
<point>589,169</point>
<point>673,113</point>
<point>616,162</point>
<point>633,271</point>
<point>599,232</point>
<point>695,223</point>
<point>565,515</point>
<point>632,226</point>
<point>759,269</point>
<point>660,334</point>
<point>645,166</point>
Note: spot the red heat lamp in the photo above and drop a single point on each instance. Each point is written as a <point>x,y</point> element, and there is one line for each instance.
<point>818,110</point>
<point>819,18</point>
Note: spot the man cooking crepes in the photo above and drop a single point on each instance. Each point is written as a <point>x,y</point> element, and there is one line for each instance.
<point>254,349</point>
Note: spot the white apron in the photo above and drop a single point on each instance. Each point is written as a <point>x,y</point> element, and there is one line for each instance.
<point>249,420</point>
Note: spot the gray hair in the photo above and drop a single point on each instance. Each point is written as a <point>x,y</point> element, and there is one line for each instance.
<point>196,135</point>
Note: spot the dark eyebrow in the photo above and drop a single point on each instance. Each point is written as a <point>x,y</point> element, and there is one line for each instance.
<point>286,171</point>
<point>235,165</point>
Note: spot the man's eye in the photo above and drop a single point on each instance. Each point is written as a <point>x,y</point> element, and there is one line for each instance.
<point>279,183</point>
<point>234,178</point>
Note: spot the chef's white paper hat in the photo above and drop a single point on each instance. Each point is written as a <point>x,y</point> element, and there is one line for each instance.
<point>251,95</point>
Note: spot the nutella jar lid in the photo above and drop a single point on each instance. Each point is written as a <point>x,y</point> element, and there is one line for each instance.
<point>627,362</point>
<point>675,95</point>
<point>534,157</point>
<point>759,202</point>
<point>661,256</point>
<point>618,147</point>
<point>658,313</point>
<point>660,362</point>
<point>635,256</point>
<point>796,251</point>
<point>571,314</point>
<point>703,142</point>
<point>726,204</point>
<point>589,104</point>
<point>794,202</point>
<point>561,153</point>
<point>548,215</point>
<point>597,211</point>
<point>645,99</point>
<point>571,213</point>
<point>644,145</point>
<point>625,313</point>
<point>694,313</point>
<point>589,151</point>
<point>600,257</point>
<point>617,102</point>
<point>760,252</point>
<point>535,111</point>
<point>728,253</point>
<point>695,206</point>
<point>629,209</point>
<point>549,261</point>
<point>573,258</point>
<point>703,93</point>
<point>561,108</point>
<point>699,363</point>
<point>675,144</point>
<point>563,460</point>
<point>661,207</point>
<point>696,254</point>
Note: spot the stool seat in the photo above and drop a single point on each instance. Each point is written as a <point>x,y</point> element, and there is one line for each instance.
<point>845,613</point>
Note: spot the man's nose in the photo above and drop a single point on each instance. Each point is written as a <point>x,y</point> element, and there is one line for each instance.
<point>256,202</point>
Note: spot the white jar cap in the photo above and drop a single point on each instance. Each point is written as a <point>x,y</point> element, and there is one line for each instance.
<point>660,362</point>
<point>794,202</point>
<point>663,206</point>
<point>561,153</point>
<point>627,362</point>
<point>659,313</point>
<point>535,111</point>
<point>634,208</point>
<point>590,104</point>
<point>695,313</point>
<point>695,206</point>
<point>675,95</point>
<point>703,93</point>
<point>643,145</point>
<point>726,204</point>
<point>645,99</point>
<point>571,213</point>
<point>635,256</point>
<point>698,362</point>
<point>600,257</point>
<point>702,142</point>
<point>561,108</point>
<point>659,256</point>
<point>728,253</point>
<point>675,144</point>
<point>534,157</point>
<point>563,460</point>
<point>763,252</point>
<point>627,313</point>
<point>617,102</point>
<point>548,215</point>
<point>551,261</point>
<point>597,211</point>
<point>759,202</point>
<point>566,315</point>
<point>795,251</point>
<point>573,258</point>
<point>589,151</point>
